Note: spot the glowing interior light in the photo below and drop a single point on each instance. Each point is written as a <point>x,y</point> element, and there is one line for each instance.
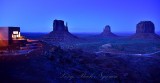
<point>19,34</point>
<point>14,36</point>
<point>15,32</point>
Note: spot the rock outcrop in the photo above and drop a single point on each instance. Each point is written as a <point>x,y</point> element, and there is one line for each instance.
<point>60,32</point>
<point>145,30</point>
<point>58,26</point>
<point>107,32</point>
<point>145,27</point>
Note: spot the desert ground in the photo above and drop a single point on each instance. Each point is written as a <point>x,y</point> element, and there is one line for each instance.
<point>91,59</point>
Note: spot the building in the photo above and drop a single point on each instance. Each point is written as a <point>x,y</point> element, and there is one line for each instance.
<point>10,36</point>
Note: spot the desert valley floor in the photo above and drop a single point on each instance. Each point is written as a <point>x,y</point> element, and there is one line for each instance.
<point>90,59</point>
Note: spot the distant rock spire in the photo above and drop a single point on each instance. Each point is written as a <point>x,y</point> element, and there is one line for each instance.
<point>58,26</point>
<point>60,32</point>
<point>66,26</point>
<point>107,29</point>
<point>107,32</point>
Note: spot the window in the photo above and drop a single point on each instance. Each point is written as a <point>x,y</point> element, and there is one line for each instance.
<point>15,32</point>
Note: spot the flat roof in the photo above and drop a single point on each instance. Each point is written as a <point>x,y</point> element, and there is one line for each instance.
<point>9,27</point>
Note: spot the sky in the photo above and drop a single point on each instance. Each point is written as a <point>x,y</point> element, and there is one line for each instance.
<point>81,15</point>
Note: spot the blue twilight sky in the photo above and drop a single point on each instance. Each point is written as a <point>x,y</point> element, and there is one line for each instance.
<point>81,15</point>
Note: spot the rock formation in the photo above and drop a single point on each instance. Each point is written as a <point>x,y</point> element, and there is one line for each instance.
<point>60,32</point>
<point>107,32</point>
<point>58,26</point>
<point>145,27</point>
<point>145,30</point>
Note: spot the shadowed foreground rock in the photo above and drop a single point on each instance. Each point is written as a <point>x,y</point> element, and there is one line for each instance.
<point>52,64</point>
<point>60,32</point>
<point>107,32</point>
<point>145,30</point>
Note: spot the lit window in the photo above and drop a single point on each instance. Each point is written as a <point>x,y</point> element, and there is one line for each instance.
<point>14,36</point>
<point>19,35</point>
<point>15,32</point>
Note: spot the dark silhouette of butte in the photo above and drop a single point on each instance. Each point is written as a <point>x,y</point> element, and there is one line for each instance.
<point>107,32</point>
<point>60,32</point>
<point>145,30</point>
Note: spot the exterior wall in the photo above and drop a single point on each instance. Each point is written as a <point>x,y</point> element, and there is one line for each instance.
<point>6,40</point>
<point>11,29</point>
<point>4,36</point>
